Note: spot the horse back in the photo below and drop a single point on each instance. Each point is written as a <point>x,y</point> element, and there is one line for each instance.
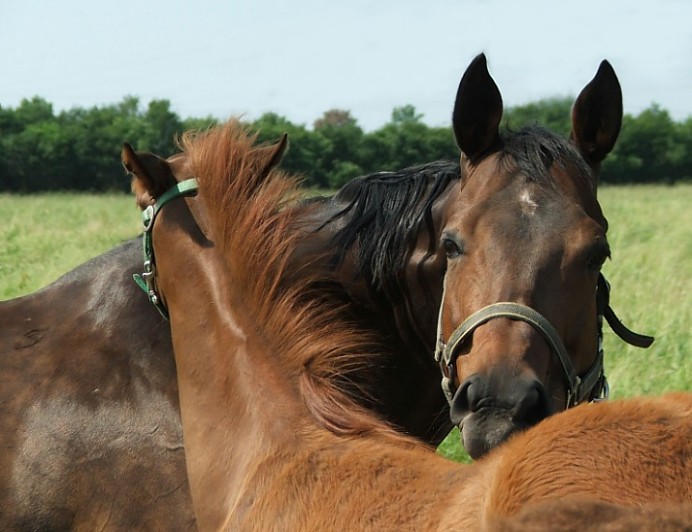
<point>629,452</point>
<point>90,423</point>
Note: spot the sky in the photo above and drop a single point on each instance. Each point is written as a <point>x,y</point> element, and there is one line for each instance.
<point>300,58</point>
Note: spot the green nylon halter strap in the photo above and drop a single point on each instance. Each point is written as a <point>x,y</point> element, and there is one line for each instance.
<point>145,280</point>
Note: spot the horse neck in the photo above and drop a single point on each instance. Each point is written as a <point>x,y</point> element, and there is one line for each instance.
<point>235,404</point>
<point>404,316</point>
<point>253,451</point>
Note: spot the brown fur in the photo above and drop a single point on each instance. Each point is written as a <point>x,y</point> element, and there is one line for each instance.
<point>259,410</point>
<point>575,514</point>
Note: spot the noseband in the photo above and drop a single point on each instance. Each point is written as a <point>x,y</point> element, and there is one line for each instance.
<point>146,281</point>
<point>592,385</point>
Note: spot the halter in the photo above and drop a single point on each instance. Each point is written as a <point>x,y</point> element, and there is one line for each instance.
<point>592,385</point>
<point>146,281</point>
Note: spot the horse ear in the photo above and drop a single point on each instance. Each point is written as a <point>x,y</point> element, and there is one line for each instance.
<point>151,175</point>
<point>477,111</point>
<point>270,156</point>
<point>142,184</point>
<point>597,116</point>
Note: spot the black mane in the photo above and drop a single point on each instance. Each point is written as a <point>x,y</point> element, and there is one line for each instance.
<point>532,150</point>
<point>385,212</point>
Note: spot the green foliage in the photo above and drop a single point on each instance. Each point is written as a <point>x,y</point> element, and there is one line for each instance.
<point>340,139</point>
<point>552,113</point>
<point>648,147</point>
<point>79,149</point>
<point>405,114</point>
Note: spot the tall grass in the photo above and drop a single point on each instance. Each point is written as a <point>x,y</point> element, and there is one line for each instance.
<point>42,237</point>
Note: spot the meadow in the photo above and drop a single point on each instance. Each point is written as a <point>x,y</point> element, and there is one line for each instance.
<point>44,236</point>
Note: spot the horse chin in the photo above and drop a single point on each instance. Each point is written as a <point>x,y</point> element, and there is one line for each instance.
<point>483,431</point>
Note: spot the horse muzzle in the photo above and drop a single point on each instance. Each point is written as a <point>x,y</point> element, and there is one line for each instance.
<point>488,409</point>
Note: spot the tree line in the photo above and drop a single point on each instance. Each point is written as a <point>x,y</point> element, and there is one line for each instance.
<point>79,149</point>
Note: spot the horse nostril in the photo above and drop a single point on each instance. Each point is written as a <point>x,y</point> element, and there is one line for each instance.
<point>466,399</point>
<point>533,405</point>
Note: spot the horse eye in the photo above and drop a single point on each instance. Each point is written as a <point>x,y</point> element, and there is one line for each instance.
<point>596,262</point>
<point>451,247</point>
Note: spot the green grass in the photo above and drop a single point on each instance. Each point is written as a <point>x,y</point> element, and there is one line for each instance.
<point>47,235</point>
<point>650,272</point>
<point>651,284</point>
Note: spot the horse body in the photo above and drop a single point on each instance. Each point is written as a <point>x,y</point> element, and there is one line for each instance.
<point>273,440</point>
<point>91,433</point>
<point>575,514</point>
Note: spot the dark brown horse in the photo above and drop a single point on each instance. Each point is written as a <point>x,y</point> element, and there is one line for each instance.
<point>273,439</point>
<point>519,328</point>
<point>90,434</point>
<point>88,355</point>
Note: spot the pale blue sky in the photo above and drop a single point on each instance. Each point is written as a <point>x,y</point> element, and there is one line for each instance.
<point>300,58</point>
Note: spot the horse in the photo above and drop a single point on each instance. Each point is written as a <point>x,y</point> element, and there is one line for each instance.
<point>505,269</point>
<point>92,326</point>
<point>523,299</point>
<point>274,439</point>
<point>92,436</point>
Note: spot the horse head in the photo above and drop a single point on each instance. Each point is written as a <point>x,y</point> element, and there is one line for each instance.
<point>524,239</point>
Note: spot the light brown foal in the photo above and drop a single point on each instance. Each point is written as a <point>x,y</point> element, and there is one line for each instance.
<point>274,441</point>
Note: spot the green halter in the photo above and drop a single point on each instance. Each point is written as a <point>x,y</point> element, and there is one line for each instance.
<point>146,280</point>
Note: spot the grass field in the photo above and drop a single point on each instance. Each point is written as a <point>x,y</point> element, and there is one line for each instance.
<point>650,235</point>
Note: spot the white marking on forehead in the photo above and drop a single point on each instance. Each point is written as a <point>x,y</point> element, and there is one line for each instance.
<point>529,205</point>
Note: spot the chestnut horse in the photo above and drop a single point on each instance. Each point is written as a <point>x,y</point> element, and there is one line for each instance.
<point>576,514</point>
<point>273,439</point>
<point>91,434</point>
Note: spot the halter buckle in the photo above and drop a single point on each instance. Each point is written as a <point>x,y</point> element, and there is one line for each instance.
<point>148,216</point>
<point>148,276</point>
<point>573,393</point>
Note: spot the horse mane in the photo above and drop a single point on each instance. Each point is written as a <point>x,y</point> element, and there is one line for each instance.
<point>384,214</point>
<point>387,211</point>
<point>244,197</point>
<point>533,149</point>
